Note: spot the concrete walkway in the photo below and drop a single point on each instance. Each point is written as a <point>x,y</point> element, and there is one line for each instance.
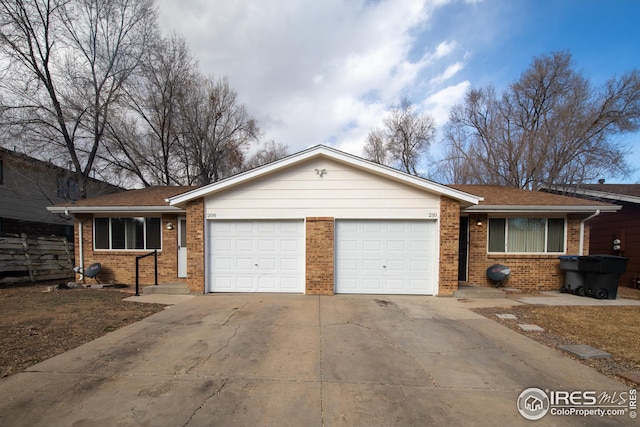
<point>296,360</point>
<point>558,298</point>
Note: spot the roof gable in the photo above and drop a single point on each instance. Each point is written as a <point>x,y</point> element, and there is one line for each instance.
<point>319,152</point>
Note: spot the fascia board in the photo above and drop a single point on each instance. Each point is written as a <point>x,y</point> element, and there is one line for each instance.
<point>114,209</point>
<point>539,209</point>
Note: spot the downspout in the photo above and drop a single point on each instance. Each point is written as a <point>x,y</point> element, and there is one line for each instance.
<point>595,214</point>
<point>81,249</point>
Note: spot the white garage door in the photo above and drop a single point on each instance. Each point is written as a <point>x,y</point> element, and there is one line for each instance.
<point>256,256</point>
<point>386,257</point>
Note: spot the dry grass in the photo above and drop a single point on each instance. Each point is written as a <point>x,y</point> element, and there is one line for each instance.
<point>614,329</point>
<point>36,325</point>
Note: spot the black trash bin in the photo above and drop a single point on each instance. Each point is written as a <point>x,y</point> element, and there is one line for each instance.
<point>602,274</point>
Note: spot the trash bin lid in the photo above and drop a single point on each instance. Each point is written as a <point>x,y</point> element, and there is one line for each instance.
<point>600,257</point>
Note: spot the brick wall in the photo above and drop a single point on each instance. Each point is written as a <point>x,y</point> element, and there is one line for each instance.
<point>120,266</point>
<point>449,232</point>
<point>320,256</point>
<point>195,246</point>
<point>529,273</point>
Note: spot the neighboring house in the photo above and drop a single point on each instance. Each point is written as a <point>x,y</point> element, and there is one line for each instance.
<point>324,222</point>
<point>28,186</point>
<point>617,234</point>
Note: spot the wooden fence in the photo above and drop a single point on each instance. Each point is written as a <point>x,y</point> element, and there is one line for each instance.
<point>35,259</point>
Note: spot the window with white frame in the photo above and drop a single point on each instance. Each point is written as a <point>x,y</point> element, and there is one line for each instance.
<point>527,235</point>
<point>124,233</point>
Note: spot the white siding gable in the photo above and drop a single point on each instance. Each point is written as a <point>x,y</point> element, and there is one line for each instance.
<point>322,187</point>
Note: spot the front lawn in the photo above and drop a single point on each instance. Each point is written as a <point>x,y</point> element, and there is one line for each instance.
<point>36,325</point>
<point>614,329</point>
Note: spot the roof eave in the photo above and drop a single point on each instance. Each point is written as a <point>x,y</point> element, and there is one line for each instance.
<point>539,209</point>
<point>114,209</point>
<point>570,191</point>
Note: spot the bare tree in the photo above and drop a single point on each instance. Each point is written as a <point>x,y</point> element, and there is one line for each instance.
<point>270,152</point>
<point>549,127</point>
<point>67,61</point>
<point>144,141</point>
<point>376,148</point>
<point>216,131</point>
<point>404,140</point>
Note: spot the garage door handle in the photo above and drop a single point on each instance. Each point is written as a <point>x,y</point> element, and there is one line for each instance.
<point>256,265</point>
<point>384,266</point>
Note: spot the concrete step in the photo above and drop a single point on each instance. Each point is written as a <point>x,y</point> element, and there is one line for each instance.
<point>167,289</point>
<point>479,292</point>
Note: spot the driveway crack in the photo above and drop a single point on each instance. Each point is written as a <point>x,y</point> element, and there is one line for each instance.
<point>204,402</point>
<point>406,353</point>
<point>200,361</point>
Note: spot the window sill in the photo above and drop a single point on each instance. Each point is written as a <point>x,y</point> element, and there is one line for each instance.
<point>126,251</point>
<point>503,255</point>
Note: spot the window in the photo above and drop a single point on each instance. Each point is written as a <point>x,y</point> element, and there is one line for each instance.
<point>526,235</point>
<point>127,233</point>
<point>1,173</point>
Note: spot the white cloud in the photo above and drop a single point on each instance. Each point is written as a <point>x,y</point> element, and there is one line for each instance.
<point>312,71</point>
<point>439,104</point>
<point>451,71</point>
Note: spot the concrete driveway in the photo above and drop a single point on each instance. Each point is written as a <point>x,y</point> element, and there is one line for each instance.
<point>278,360</point>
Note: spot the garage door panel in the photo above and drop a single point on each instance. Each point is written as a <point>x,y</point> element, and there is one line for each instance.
<point>244,245</point>
<point>372,266</point>
<point>395,285</point>
<point>420,266</point>
<point>372,227</point>
<point>371,246</point>
<point>223,264</point>
<point>256,256</point>
<point>288,264</point>
<point>243,283</point>
<point>223,245</point>
<point>386,256</point>
<point>373,284</point>
<point>396,246</point>
<point>289,245</point>
<point>396,265</point>
<point>420,245</point>
<point>289,283</point>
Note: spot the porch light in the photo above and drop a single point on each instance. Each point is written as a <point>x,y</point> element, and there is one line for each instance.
<point>479,222</point>
<point>169,226</point>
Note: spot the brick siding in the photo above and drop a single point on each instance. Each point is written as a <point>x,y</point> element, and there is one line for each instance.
<point>320,256</point>
<point>449,232</point>
<point>195,246</point>
<point>529,273</point>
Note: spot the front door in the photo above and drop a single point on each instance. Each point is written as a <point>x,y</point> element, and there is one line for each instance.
<point>463,249</point>
<point>182,247</point>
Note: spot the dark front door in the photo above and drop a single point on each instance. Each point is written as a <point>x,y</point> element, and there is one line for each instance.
<point>463,249</point>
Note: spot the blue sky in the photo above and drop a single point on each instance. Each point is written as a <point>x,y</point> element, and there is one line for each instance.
<point>325,72</point>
